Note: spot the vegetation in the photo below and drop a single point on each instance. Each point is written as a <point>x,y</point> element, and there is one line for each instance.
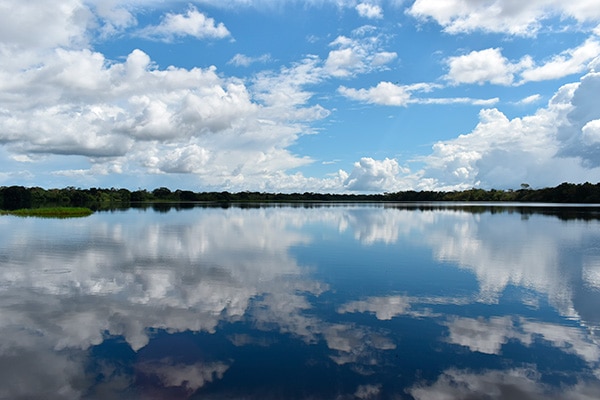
<point>50,212</point>
<point>19,197</point>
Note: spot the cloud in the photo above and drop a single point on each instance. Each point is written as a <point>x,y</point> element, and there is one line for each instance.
<point>571,61</point>
<point>483,66</point>
<point>383,57</point>
<point>490,66</point>
<point>193,23</point>
<point>190,159</point>
<point>241,60</point>
<point>371,11</point>
<point>503,153</point>
<point>385,93</point>
<point>502,16</point>
<point>341,62</point>
<point>534,98</point>
<point>60,97</point>
<point>591,132</point>
<point>374,175</point>
<point>133,115</point>
<point>360,53</point>
<point>37,24</point>
<point>101,108</point>
<point>456,100</point>
<point>583,111</point>
<point>285,89</point>
<point>391,94</point>
<point>114,16</point>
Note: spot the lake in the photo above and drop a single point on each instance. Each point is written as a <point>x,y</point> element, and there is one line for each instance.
<point>303,301</point>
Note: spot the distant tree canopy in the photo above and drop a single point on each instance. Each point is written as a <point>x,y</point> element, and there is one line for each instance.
<point>16,197</point>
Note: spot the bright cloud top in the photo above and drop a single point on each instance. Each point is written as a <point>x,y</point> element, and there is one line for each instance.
<point>503,16</point>
<point>369,10</point>
<point>238,95</point>
<point>192,23</point>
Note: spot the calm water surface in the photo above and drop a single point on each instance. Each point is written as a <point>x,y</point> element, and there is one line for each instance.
<point>302,302</point>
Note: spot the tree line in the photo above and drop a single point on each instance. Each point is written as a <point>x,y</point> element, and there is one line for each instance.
<point>17,197</point>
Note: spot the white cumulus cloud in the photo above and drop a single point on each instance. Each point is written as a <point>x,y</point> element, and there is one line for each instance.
<point>591,132</point>
<point>484,66</point>
<point>544,148</point>
<point>192,23</point>
<point>523,18</point>
<point>385,93</point>
<point>557,143</point>
<point>491,66</point>
<point>367,10</point>
<point>391,94</point>
<point>569,62</point>
<point>375,175</point>
<point>359,53</point>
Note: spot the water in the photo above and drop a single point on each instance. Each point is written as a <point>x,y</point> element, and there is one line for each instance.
<point>351,301</point>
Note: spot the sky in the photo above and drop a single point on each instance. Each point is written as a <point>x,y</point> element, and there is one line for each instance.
<point>328,96</point>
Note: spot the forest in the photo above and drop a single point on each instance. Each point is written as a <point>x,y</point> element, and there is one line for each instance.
<point>19,197</point>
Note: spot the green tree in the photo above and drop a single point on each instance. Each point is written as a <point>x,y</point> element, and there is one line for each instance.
<point>15,197</point>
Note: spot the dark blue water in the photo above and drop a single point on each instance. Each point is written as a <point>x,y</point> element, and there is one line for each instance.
<point>352,301</point>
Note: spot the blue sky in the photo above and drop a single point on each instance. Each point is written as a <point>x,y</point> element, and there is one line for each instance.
<point>285,96</point>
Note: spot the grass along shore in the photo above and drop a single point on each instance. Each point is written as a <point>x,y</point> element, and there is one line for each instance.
<point>50,212</point>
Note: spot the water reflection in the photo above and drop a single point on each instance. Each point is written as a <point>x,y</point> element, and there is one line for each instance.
<point>352,301</point>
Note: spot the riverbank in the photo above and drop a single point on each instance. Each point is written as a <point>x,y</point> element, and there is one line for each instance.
<point>19,197</point>
<point>50,212</point>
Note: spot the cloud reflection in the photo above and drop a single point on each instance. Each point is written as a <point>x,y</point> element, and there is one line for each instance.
<point>388,307</point>
<point>67,286</point>
<point>522,383</point>
<point>189,378</point>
